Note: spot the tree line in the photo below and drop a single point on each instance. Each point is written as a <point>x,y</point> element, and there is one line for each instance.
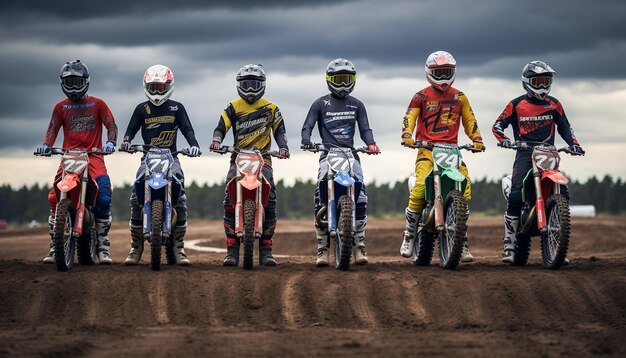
<point>21,205</point>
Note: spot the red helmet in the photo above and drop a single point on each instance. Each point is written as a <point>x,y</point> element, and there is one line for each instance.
<point>440,70</point>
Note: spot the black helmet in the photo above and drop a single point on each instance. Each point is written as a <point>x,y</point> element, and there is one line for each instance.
<point>74,79</point>
<point>251,82</point>
<point>340,77</point>
<point>537,79</point>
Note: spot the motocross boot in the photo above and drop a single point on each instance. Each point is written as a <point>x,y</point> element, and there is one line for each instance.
<point>50,258</point>
<point>136,245</point>
<point>510,228</point>
<point>103,225</point>
<point>265,252</point>
<point>232,252</point>
<point>178,236</point>
<point>360,255</point>
<point>410,232</point>
<point>322,248</point>
<point>466,255</point>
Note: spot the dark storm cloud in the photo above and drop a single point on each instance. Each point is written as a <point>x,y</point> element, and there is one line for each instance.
<point>71,10</point>
<point>119,39</point>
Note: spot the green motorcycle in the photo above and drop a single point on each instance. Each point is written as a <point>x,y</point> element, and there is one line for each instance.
<point>445,213</point>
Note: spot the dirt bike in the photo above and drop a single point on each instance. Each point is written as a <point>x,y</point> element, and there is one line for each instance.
<point>545,211</point>
<point>445,213</point>
<point>249,192</point>
<point>339,192</point>
<point>74,227</point>
<point>158,194</point>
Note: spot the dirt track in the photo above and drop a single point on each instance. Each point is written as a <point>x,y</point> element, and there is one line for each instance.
<point>388,308</point>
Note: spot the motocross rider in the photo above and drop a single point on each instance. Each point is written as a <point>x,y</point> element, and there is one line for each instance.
<point>252,119</point>
<point>159,120</point>
<point>82,116</point>
<point>437,111</point>
<point>533,117</point>
<point>337,115</point>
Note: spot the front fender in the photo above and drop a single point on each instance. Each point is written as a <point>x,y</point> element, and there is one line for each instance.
<point>554,175</point>
<point>343,179</point>
<point>157,181</point>
<point>453,174</point>
<point>250,181</point>
<point>69,182</point>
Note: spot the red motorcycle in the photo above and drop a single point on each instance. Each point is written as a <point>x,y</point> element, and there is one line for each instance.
<point>545,210</point>
<point>74,221</point>
<point>248,193</point>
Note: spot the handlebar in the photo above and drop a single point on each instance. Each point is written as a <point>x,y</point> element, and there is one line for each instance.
<point>319,147</point>
<point>524,145</point>
<point>61,151</point>
<point>145,148</point>
<point>232,149</point>
<point>427,145</point>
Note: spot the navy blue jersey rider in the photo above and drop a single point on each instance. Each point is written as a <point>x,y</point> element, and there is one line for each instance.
<point>338,117</point>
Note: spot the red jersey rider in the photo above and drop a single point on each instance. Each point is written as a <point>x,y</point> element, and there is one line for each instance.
<point>82,117</point>
<point>435,114</point>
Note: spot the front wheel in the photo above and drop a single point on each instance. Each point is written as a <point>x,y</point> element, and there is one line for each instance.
<point>455,227</point>
<point>555,242</point>
<point>88,247</point>
<point>344,239</point>
<point>156,235</point>
<point>64,243</point>
<point>249,209</point>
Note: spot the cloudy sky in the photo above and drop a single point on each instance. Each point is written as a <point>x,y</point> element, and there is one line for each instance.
<point>205,43</point>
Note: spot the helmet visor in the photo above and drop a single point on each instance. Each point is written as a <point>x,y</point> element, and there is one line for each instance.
<point>341,79</point>
<point>540,81</point>
<point>251,85</point>
<point>74,82</point>
<point>158,87</point>
<point>442,73</point>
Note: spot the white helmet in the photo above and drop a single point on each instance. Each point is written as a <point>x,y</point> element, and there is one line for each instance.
<point>340,77</point>
<point>537,79</point>
<point>440,70</point>
<point>158,84</point>
<point>251,82</point>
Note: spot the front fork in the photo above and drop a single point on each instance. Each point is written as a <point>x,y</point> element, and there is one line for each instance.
<point>259,209</point>
<point>439,219</point>
<point>332,206</point>
<point>167,206</point>
<point>539,203</point>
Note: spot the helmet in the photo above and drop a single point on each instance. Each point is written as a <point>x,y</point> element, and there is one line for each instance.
<point>340,77</point>
<point>158,84</point>
<point>440,70</point>
<point>537,79</point>
<point>251,82</point>
<point>74,79</point>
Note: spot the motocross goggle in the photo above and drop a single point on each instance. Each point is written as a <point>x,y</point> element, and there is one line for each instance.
<point>158,87</point>
<point>74,82</point>
<point>540,81</point>
<point>341,79</point>
<point>251,85</point>
<point>444,73</point>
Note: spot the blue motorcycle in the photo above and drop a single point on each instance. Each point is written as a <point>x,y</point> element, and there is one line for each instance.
<point>339,191</point>
<point>156,190</point>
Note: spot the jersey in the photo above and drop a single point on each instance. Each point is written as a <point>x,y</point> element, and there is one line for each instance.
<point>439,115</point>
<point>252,125</point>
<point>82,122</point>
<point>337,120</point>
<point>160,124</point>
<point>533,119</point>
